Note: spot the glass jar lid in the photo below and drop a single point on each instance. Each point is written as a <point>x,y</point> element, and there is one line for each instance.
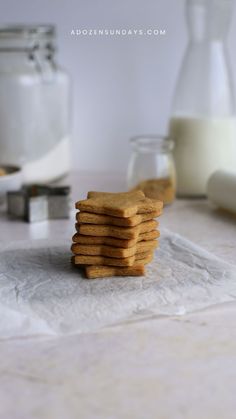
<point>21,37</point>
<point>26,30</point>
<point>152,143</point>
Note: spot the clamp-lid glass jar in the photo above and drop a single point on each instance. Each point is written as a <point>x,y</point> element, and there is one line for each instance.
<point>34,103</point>
<point>151,167</point>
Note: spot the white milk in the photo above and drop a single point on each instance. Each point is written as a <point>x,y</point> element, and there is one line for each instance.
<point>202,145</point>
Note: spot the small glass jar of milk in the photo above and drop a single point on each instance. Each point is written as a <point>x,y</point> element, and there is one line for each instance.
<point>151,167</point>
<point>34,104</point>
<point>203,123</point>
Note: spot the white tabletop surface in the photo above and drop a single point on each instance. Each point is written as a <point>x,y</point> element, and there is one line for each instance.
<point>162,368</point>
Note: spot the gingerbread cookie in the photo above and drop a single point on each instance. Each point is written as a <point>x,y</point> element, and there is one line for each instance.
<point>115,252</point>
<point>116,231</point>
<point>112,241</point>
<point>93,272</point>
<point>108,261</point>
<point>125,204</point>
<point>90,218</point>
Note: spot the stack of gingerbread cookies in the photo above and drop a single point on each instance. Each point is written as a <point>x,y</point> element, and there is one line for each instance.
<point>116,233</point>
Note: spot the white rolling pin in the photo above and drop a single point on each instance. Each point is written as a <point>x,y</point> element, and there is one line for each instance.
<point>221,190</point>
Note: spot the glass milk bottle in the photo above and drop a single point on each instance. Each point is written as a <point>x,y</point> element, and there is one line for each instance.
<point>203,123</point>
<point>34,104</point>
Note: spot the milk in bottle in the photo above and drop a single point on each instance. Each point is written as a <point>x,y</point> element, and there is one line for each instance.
<point>203,122</point>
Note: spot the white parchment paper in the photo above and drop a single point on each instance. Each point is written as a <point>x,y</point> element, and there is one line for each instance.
<point>41,293</point>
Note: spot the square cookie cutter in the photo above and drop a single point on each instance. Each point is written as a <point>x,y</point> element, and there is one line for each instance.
<point>39,202</point>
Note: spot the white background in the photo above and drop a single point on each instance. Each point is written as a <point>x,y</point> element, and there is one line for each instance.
<point>121,86</point>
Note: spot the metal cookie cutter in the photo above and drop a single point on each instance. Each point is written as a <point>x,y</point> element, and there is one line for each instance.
<point>39,202</point>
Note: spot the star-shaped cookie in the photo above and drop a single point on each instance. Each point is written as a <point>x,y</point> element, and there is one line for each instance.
<point>125,204</point>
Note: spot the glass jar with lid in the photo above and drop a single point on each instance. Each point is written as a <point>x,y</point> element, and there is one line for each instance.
<point>151,167</point>
<point>34,103</point>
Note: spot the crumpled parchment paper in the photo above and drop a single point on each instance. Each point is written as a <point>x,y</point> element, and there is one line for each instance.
<point>41,293</point>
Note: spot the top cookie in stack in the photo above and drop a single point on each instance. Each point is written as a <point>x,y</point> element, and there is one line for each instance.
<point>116,233</point>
